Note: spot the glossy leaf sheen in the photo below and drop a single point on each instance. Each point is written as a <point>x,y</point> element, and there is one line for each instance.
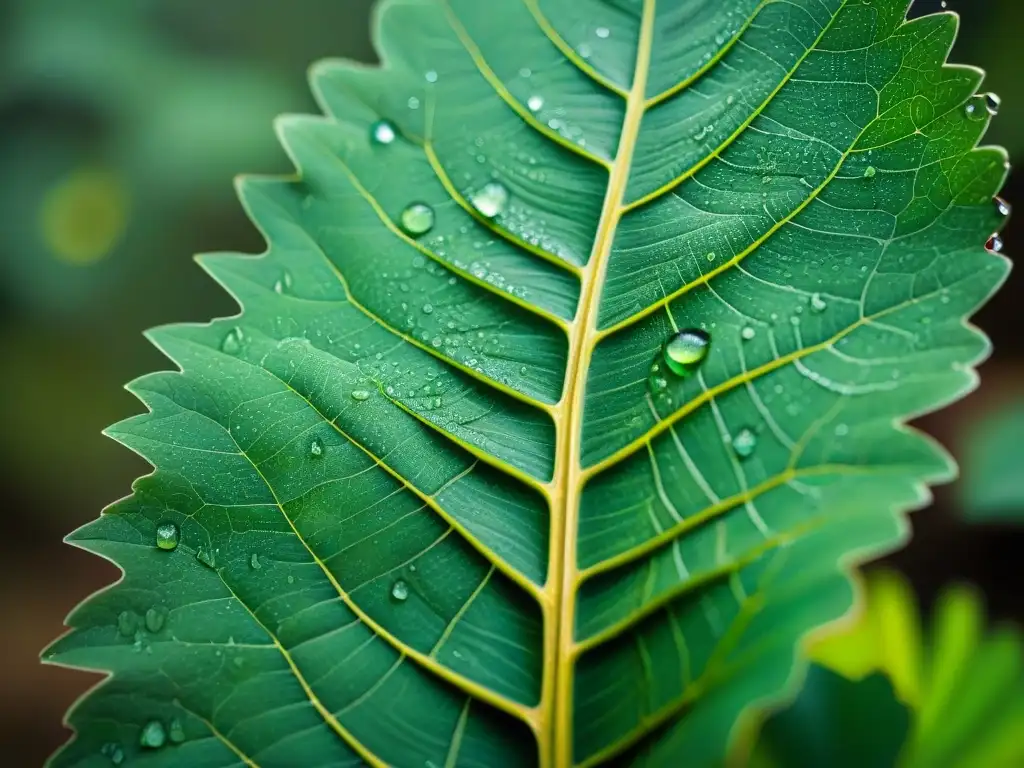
<point>507,549</point>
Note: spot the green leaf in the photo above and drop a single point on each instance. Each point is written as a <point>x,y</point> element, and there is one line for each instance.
<point>993,471</point>
<point>964,683</point>
<point>440,500</point>
<point>835,722</point>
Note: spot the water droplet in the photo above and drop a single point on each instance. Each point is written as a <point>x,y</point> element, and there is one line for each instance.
<point>400,591</point>
<point>430,76</point>
<point>995,243</point>
<point>817,303</point>
<point>232,343</point>
<point>976,109</point>
<point>428,309</point>
<point>206,557</point>
<point>316,448</point>
<point>167,536</point>
<point>1002,207</point>
<point>155,620</point>
<point>176,731</point>
<point>254,562</point>
<point>360,395</point>
<point>685,351</point>
<point>748,333</point>
<point>602,32</point>
<point>491,200</point>
<point>112,751</point>
<point>842,430</point>
<point>744,443</point>
<point>153,735</point>
<point>418,219</point>
<point>584,51</point>
<point>525,72</point>
<point>413,103</point>
<point>127,623</point>
<point>992,103</point>
<point>869,172</point>
<point>383,132</point>
<point>535,103</point>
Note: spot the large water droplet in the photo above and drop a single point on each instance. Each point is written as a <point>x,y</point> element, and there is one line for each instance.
<point>602,32</point>
<point>155,618</point>
<point>535,103</point>
<point>232,343</point>
<point>992,103</point>
<point>400,591</point>
<point>685,351</point>
<point>417,219</point>
<point>176,731</point>
<point>167,536</point>
<point>153,735</point>
<point>383,132</point>
<point>360,395</point>
<point>744,443</point>
<point>976,108</point>
<point>316,448</point>
<point>491,199</point>
<point>995,243</point>
<point>1002,207</point>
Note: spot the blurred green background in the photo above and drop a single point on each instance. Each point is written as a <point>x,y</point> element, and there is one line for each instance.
<point>123,123</point>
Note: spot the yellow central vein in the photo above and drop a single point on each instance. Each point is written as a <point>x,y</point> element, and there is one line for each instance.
<point>556,741</point>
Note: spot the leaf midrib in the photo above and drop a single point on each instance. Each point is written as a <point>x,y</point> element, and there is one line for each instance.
<point>556,743</point>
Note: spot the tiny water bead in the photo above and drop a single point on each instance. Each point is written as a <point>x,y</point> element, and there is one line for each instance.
<point>534,103</point>
<point>992,103</point>
<point>383,132</point>
<point>113,752</point>
<point>153,735</point>
<point>232,343</point>
<point>430,76</point>
<point>995,243</point>
<point>1002,207</point>
<point>869,172</point>
<point>602,32</point>
<point>817,303</point>
<point>155,619</point>
<point>254,561</point>
<point>748,333</point>
<point>400,591</point>
<point>176,731</point>
<point>167,536</point>
<point>359,395</point>
<point>685,351</point>
<point>316,448</point>
<point>417,219</point>
<point>491,200</point>
<point>127,623</point>
<point>744,443</point>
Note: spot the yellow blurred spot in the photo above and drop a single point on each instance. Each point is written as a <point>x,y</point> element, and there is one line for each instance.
<point>83,216</point>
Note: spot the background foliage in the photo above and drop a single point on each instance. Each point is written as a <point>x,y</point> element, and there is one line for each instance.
<point>124,121</point>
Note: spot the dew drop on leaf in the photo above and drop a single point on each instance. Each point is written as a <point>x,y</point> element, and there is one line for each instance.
<point>995,243</point>
<point>418,219</point>
<point>869,172</point>
<point>992,103</point>
<point>400,591</point>
<point>976,109</point>
<point>113,752</point>
<point>430,76</point>
<point>153,735</point>
<point>316,448</point>
<point>155,620</point>
<point>817,303</point>
<point>1002,207</point>
<point>254,562</point>
<point>232,343</point>
<point>360,395</point>
<point>383,132</point>
<point>535,103</point>
<point>602,32</point>
<point>685,351</point>
<point>748,333</point>
<point>744,443</point>
<point>167,536</point>
<point>176,731</point>
<point>491,200</point>
<point>127,623</point>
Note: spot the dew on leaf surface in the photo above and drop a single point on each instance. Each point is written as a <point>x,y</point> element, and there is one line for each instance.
<point>232,343</point>
<point>176,731</point>
<point>316,447</point>
<point>400,591</point>
<point>685,351</point>
<point>869,172</point>
<point>992,103</point>
<point>155,619</point>
<point>153,735</point>
<point>817,303</point>
<point>995,243</point>
<point>383,132</point>
<point>417,219</point>
<point>535,103</point>
<point>360,395</point>
<point>127,623</point>
<point>1002,207</point>
<point>167,536</point>
<point>744,443</point>
<point>491,199</point>
<point>113,752</point>
<point>748,333</point>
